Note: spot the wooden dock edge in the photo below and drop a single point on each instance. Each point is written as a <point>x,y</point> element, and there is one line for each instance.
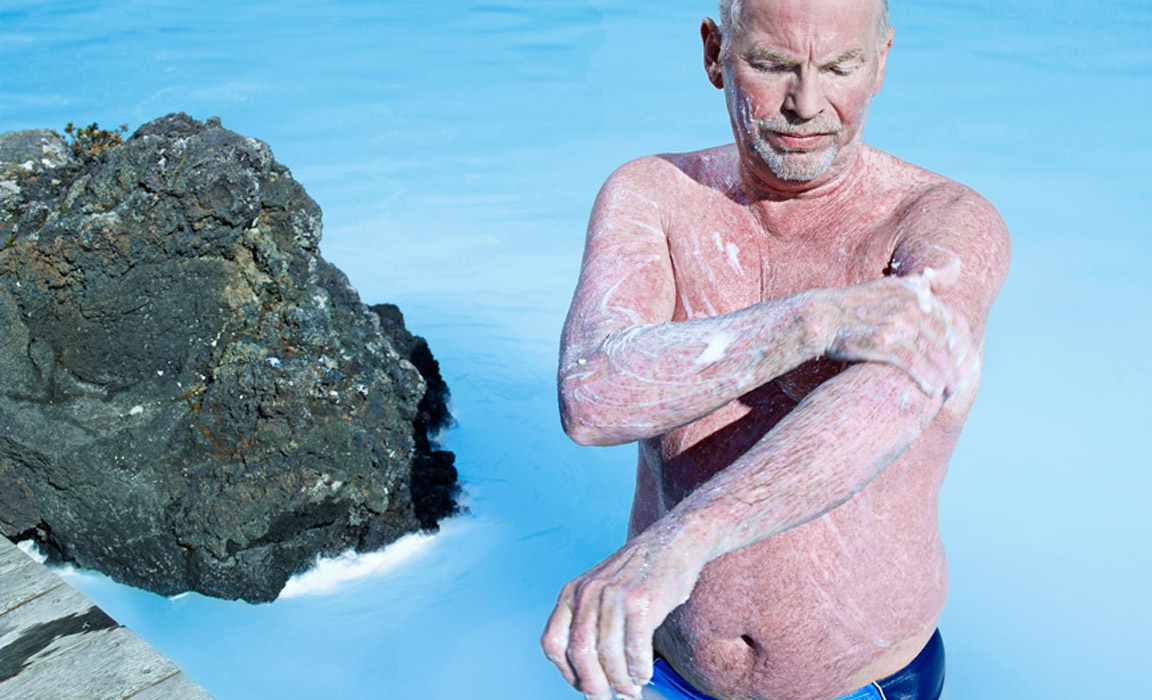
<point>56,644</point>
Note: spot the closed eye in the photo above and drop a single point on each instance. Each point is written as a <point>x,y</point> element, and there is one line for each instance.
<point>766,60</point>
<point>846,63</point>
<point>772,67</point>
<point>841,70</point>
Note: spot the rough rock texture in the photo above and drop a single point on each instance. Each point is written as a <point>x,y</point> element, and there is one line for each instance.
<point>191,398</point>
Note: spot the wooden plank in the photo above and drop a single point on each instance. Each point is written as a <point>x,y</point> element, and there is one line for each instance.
<point>55,644</point>
<point>10,556</point>
<point>45,626</point>
<point>108,665</point>
<point>24,579</point>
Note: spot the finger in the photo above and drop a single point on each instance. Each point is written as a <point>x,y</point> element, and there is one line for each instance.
<point>967,369</point>
<point>921,286</point>
<point>918,346</point>
<point>943,276</point>
<point>943,349</point>
<point>936,330</point>
<point>909,340</point>
<point>958,348</point>
<point>638,647</point>
<point>556,636</point>
<point>583,644</point>
<point>925,368</point>
<point>928,377</point>
<point>904,355</point>
<point>611,643</point>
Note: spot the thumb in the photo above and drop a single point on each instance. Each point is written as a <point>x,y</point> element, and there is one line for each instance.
<point>942,277</point>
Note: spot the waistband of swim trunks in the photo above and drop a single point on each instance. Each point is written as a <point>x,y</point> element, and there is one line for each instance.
<point>922,679</point>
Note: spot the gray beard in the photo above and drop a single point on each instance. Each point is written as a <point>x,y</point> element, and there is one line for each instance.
<point>795,166</point>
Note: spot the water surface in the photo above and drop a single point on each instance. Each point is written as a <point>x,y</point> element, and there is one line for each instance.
<point>456,147</point>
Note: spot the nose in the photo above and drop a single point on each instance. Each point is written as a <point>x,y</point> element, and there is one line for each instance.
<point>805,99</point>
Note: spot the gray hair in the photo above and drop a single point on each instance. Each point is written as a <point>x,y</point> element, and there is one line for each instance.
<point>731,16</point>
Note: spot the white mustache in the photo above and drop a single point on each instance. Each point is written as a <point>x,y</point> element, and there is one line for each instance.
<point>783,126</point>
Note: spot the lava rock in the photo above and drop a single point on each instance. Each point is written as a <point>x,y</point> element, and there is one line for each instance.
<point>191,397</point>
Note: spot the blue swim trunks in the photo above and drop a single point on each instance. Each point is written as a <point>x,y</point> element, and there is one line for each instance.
<point>923,679</point>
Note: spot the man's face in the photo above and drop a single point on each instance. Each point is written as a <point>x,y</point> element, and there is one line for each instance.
<point>798,76</point>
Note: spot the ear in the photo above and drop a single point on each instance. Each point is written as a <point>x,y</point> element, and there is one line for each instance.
<point>885,47</point>
<point>710,33</point>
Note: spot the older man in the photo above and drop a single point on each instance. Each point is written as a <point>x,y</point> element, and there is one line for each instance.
<point>791,327</point>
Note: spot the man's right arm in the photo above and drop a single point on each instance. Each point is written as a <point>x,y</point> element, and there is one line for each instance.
<point>627,372</point>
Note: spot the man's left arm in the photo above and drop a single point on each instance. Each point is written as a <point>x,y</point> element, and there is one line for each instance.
<point>829,447</point>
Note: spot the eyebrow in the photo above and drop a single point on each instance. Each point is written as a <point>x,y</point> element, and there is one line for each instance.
<point>766,54</point>
<point>846,56</point>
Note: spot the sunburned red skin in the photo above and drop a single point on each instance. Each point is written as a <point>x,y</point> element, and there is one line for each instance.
<point>796,360</point>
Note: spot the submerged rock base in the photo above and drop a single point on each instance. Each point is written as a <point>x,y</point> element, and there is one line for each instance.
<point>191,397</point>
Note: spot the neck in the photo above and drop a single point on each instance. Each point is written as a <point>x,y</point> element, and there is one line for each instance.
<point>787,209</point>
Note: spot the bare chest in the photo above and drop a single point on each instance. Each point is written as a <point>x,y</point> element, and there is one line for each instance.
<point>730,257</point>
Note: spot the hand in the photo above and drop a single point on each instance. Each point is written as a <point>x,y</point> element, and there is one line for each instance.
<point>901,322</point>
<point>600,634</point>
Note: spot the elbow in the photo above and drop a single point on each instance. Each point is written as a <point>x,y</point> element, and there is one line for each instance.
<point>583,432</point>
<point>584,435</point>
<point>594,436</point>
<point>591,412</point>
<point>581,426</point>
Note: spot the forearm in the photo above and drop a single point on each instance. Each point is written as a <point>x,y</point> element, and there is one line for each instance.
<point>647,380</point>
<point>632,381</point>
<point>836,441</point>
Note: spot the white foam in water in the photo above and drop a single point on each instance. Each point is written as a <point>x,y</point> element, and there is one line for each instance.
<point>32,549</point>
<point>330,573</point>
<point>29,547</point>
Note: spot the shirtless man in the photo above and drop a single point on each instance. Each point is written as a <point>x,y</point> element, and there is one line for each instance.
<point>791,327</point>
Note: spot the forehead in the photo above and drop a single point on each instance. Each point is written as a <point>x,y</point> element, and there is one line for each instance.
<point>810,26</point>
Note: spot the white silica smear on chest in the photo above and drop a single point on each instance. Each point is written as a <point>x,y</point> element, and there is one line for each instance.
<point>717,344</point>
<point>733,251</point>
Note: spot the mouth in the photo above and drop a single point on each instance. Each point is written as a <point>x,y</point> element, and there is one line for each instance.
<point>799,142</point>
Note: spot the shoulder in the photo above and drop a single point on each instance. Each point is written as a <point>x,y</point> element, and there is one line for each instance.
<point>940,223</point>
<point>668,178</point>
<point>923,193</point>
<point>932,211</point>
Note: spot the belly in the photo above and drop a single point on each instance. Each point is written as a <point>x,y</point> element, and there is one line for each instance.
<point>823,608</point>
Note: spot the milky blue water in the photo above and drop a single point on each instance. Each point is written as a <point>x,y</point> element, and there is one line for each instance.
<point>455,148</point>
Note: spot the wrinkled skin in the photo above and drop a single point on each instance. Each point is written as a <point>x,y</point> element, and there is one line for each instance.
<point>791,326</point>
